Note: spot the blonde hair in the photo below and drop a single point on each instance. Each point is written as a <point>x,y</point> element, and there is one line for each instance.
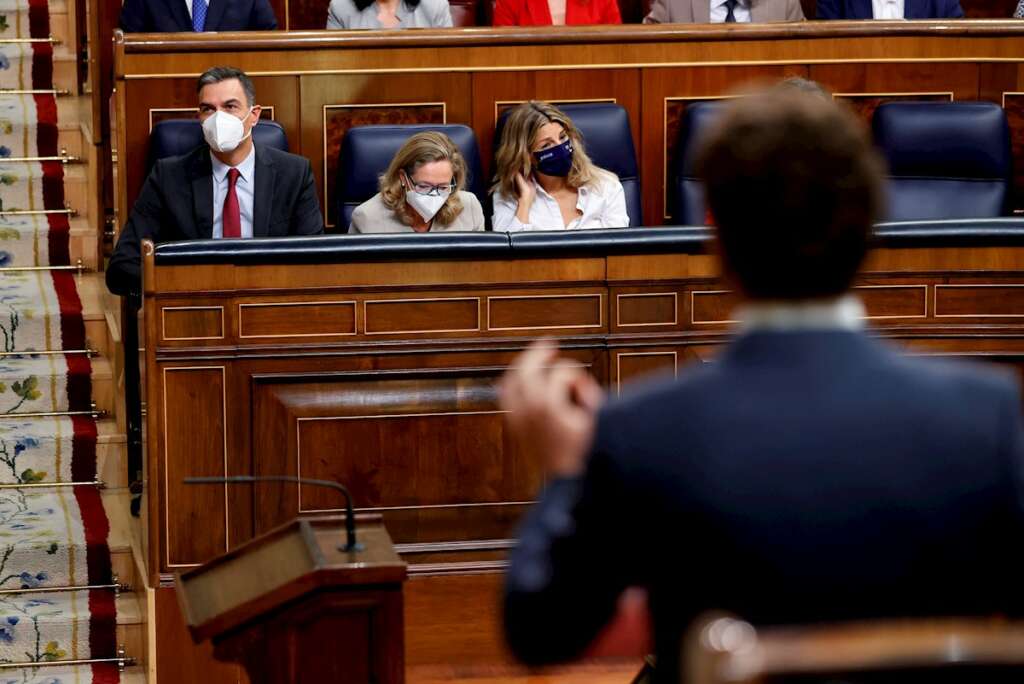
<point>514,155</point>
<point>419,149</point>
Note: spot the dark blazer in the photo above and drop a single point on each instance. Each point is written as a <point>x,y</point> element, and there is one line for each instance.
<point>912,9</point>
<point>176,203</point>
<point>170,16</point>
<point>803,476</point>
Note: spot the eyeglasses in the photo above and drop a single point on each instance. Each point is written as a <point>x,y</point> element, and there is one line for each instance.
<point>442,190</point>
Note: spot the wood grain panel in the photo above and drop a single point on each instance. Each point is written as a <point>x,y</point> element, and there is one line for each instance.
<point>178,658</point>
<point>1013,104</point>
<point>195,445</point>
<point>898,79</point>
<point>665,94</point>
<point>545,312</point>
<point>181,323</point>
<point>646,309</point>
<point>631,365</point>
<point>394,98</point>
<point>420,316</point>
<point>712,306</point>
<point>979,301</point>
<point>894,301</point>
<point>297,319</point>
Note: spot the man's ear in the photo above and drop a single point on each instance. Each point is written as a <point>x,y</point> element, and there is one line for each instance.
<point>256,111</point>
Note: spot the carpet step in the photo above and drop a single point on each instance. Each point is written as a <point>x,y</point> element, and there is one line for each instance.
<point>19,75</point>
<point>14,21</point>
<point>35,186</point>
<point>57,626</point>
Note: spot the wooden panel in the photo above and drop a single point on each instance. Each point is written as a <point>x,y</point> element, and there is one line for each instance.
<point>979,301</point>
<point>178,658</point>
<point>631,365</point>
<point>646,309</point>
<point>452,621</point>
<point>490,90</point>
<point>666,93</point>
<point>894,301</point>
<point>1013,104</point>
<point>195,445</point>
<point>712,306</point>
<point>332,104</point>
<point>296,319</point>
<point>188,323</point>
<point>419,316</point>
<point>545,312</point>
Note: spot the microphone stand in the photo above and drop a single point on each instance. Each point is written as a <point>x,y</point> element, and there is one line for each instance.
<point>351,545</point>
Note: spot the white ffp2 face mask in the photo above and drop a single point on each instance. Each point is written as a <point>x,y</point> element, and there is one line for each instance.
<point>224,132</point>
<point>426,206</point>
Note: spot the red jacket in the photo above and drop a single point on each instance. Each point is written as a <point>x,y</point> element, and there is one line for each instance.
<point>537,12</point>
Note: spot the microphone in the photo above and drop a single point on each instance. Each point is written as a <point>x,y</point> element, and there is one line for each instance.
<point>351,544</point>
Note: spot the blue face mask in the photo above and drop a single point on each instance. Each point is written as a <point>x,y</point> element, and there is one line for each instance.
<point>555,161</point>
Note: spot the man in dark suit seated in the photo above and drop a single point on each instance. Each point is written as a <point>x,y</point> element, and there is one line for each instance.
<point>171,16</point>
<point>228,188</point>
<point>889,9</point>
<point>810,472</point>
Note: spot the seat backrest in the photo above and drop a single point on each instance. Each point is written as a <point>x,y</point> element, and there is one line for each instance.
<point>174,137</point>
<point>608,139</point>
<point>366,152</point>
<point>687,190</point>
<point>946,159</point>
<point>463,13</point>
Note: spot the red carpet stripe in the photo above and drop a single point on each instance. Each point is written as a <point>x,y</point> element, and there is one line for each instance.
<point>42,65</point>
<point>39,18</point>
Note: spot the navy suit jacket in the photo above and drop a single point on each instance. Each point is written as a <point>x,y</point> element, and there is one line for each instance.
<point>912,9</point>
<point>170,16</point>
<point>803,476</point>
<point>176,203</point>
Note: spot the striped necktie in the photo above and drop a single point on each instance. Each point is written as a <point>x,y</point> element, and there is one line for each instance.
<point>198,15</point>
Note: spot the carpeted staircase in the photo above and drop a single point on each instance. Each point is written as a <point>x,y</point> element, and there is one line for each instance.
<point>60,602</point>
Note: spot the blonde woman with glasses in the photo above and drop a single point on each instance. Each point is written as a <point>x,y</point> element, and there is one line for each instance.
<point>546,181</point>
<point>422,191</point>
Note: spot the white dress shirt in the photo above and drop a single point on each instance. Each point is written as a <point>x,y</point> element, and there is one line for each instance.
<point>887,9</point>
<point>601,204</point>
<point>244,189</point>
<point>719,12</point>
<point>840,313</point>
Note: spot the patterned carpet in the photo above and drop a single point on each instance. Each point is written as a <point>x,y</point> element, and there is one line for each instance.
<point>52,538</point>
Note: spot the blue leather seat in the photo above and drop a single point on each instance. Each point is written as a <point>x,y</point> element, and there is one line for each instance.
<point>609,142</point>
<point>687,205</point>
<point>366,152</point>
<point>174,137</point>
<point>946,159</point>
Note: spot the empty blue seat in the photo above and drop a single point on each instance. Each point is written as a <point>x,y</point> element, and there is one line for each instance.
<point>366,152</point>
<point>686,189</point>
<point>608,139</point>
<point>174,137</point>
<point>946,159</point>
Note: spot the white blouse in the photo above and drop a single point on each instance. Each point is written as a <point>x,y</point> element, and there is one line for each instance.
<point>602,205</point>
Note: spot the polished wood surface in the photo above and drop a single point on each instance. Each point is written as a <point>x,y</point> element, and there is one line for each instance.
<point>294,606</point>
<point>725,650</point>
<point>320,83</point>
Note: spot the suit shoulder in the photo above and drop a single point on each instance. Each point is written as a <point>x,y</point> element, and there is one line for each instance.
<point>964,379</point>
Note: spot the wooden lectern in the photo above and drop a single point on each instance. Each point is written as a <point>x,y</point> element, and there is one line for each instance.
<point>291,606</point>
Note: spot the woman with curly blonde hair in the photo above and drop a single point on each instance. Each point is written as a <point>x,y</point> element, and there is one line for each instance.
<point>422,190</point>
<point>546,181</point>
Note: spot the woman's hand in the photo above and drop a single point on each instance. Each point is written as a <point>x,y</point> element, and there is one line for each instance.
<point>527,193</point>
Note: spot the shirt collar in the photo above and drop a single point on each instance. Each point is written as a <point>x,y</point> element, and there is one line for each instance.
<point>721,3</point>
<point>245,168</point>
<point>841,313</point>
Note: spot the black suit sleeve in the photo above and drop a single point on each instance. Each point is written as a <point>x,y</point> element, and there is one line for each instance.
<point>827,9</point>
<point>953,10</point>
<point>133,17</point>
<point>262,18</point>
<point>125,267</point>
<point>572,561</point>
<point>307,219</point>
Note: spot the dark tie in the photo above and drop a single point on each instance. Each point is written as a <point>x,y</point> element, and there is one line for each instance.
<point>232,218</point>
<point>730,5</point>
<point>198,15</point>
